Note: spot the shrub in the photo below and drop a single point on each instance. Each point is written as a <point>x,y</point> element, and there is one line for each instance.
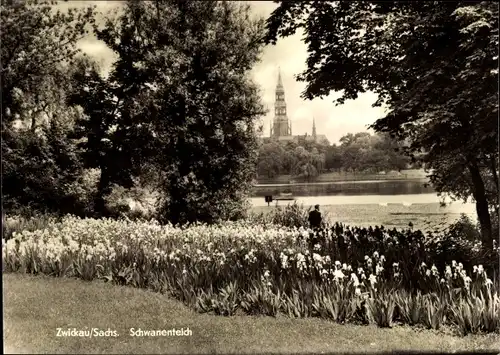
<point>409,306</point>
<point>291,215</point>
<point>434,311</point>
<point>336,303</point>
<point>84,189</point>
<point>380,309</point>
<point>261,300</point>
<point>461,241</point>
<point>136,202</point>
<point>474,314</point>
<point>37,168</point>
<point>464,229</point>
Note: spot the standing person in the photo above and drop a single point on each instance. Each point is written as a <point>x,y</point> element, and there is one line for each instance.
<point>315,218</point>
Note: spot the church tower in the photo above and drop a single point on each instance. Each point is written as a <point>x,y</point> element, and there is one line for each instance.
<point>314,130</point>
<point>281,124</point>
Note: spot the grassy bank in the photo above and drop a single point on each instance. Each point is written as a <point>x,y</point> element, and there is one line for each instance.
<point>35,306</point>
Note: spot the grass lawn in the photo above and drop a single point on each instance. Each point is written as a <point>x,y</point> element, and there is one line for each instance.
<point>35,306</point>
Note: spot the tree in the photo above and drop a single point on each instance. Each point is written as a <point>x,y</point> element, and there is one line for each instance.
<point>185,102</point>
<point>39,161</point>
<point>391,151</point>
<point>333,158</point>
<point>271,159</point>
<point>434,65</point>
<point>36,41</point>
<point>306,163</point>
<point>108,141</point>
<point>38,169</point>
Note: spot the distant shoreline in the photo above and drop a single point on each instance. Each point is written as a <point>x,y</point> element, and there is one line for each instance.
<point>344,177</point>
<point>368,180</point>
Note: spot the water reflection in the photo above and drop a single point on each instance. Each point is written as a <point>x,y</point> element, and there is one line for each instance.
<point>398,187</point>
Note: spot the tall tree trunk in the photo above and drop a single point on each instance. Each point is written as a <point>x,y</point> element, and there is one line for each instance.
<point>482,210</point>
<point>102,190</point>
<point>493,167</point>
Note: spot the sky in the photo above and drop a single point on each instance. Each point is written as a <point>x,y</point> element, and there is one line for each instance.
<point>289,56</point>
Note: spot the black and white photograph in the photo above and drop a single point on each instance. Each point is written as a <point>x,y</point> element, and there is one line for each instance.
<point>250,177</point>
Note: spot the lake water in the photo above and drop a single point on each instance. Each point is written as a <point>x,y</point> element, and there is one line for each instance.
<point>393,204</point>
<point>375,187</point>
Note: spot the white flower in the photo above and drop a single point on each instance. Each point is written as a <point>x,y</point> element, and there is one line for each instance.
<point>372,279</point>
<point>354,280</point>
<point>448,273</point>
<point>338,274</point>
<point>317,258</point>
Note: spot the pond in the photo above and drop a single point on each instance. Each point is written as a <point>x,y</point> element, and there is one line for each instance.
<point>374,187</point>
<point>393,204</point>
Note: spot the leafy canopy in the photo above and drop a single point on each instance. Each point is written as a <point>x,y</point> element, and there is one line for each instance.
<point>434,65</point>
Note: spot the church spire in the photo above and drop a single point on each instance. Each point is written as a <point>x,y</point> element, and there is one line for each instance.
<point>280,82</point>
<point>314,129</point>
<point>281,123</point>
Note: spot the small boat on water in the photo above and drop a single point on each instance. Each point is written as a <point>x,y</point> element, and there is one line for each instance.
<point>285,194</point>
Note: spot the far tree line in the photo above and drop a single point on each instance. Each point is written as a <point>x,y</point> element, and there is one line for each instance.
<point>356,153</point>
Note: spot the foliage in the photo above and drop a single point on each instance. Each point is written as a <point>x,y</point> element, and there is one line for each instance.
<point>464,229</point>
<point>39,161</point>
<point>103,137</point>
<point>291,215</point>
<point>433,65</point>
<point>38,170</point>
<point>268,270</point>
<point>360,152</point>
<point>84,189</point>
<point>178,99</point>
<point>135,202</point>
<point>36,41</point>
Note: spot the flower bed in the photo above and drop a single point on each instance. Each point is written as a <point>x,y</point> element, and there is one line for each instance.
<point>343,274</point>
